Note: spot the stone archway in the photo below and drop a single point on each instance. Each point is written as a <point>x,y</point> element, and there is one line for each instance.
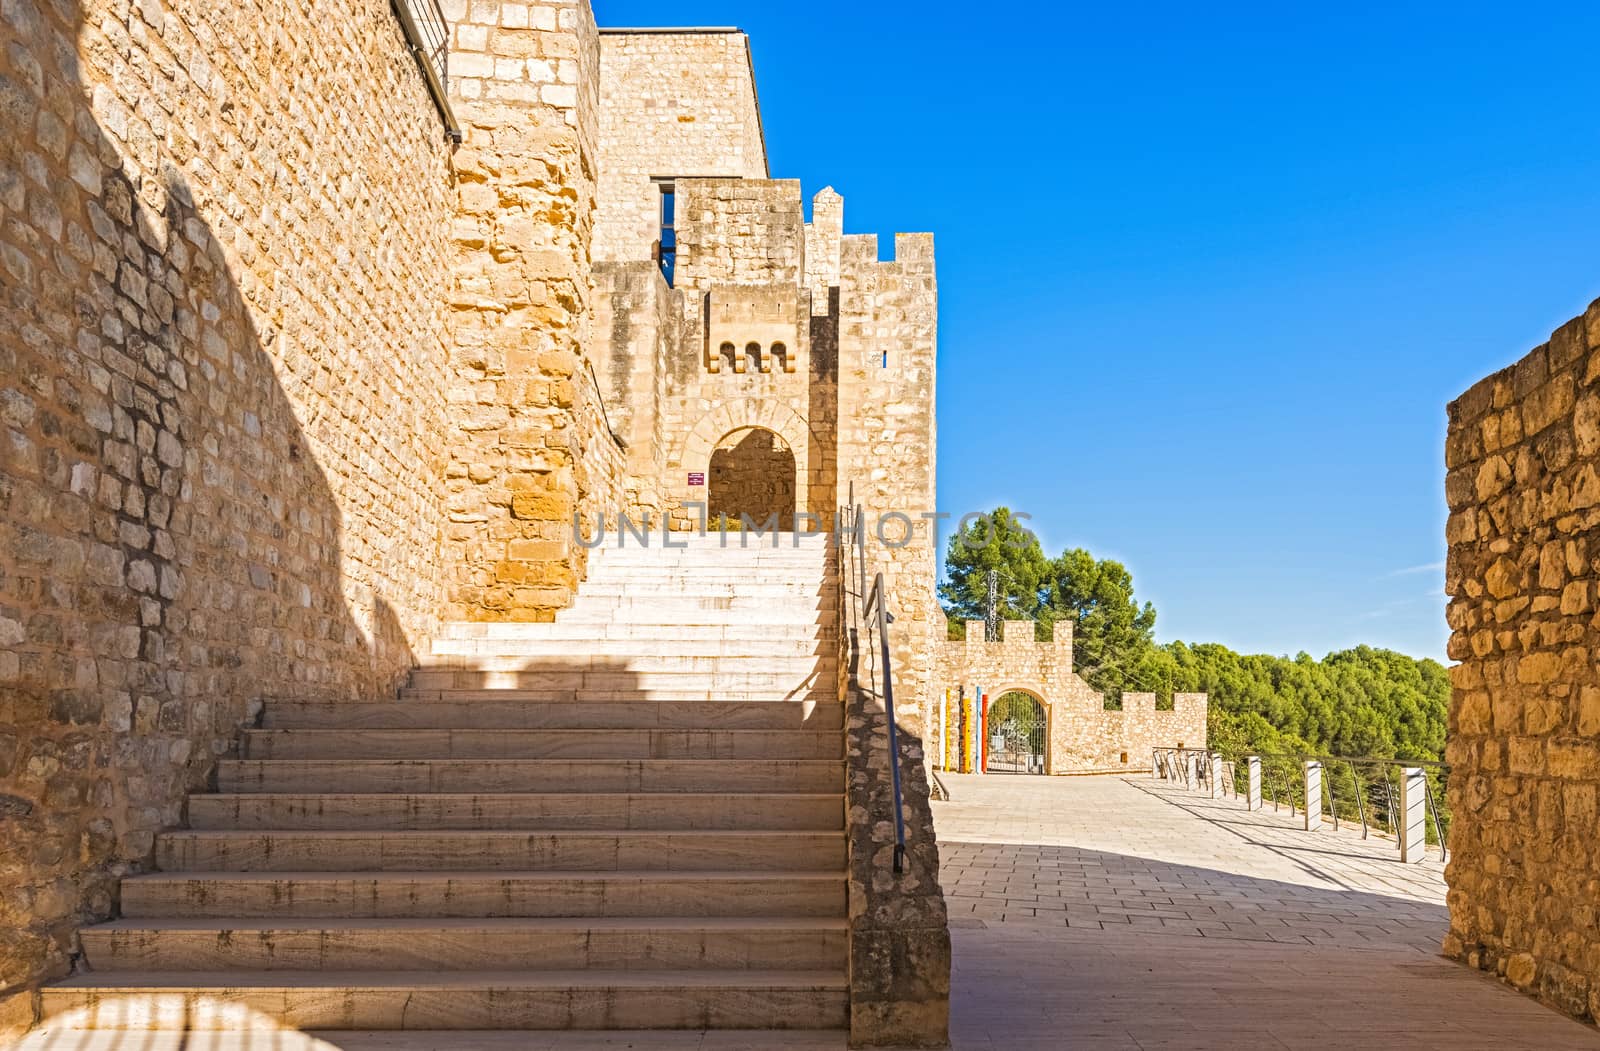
<point>752,474</point>
<point>1019,733</point>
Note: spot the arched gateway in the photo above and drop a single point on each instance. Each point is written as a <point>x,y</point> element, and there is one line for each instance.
<point>753,475</point>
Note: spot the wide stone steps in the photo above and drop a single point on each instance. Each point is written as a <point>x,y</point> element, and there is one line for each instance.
<point>469,894</point>
<point>296,850</point>
<point>508,714</point>
<point>544,744</point>
<point>631,818</point>
<point>545,810</point>
<point>531,775</point>
<point>265,1001</point>
<point>540,944</point>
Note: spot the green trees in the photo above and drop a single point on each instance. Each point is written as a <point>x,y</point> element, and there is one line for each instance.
<point>1361,701</point>
<point>1005,545</point>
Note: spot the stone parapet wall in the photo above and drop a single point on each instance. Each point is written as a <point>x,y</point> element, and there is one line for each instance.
<point>1083,735</point>
<point>1523,485</point>
<point>221,401</point>
<point>900,954</point>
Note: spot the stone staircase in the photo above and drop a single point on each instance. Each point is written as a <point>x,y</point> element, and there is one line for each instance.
<point>631,818</point>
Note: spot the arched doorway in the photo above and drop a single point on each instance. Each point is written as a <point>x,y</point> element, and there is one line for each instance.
<point>752,473</point>
<point>1018,729</point>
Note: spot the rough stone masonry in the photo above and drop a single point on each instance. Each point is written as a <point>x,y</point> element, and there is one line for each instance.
<point>1523,456</point>
<point>287,378</point>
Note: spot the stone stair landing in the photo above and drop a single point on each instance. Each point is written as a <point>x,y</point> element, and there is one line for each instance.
<point>621,820</point>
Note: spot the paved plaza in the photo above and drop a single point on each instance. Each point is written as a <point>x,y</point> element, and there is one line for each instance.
<point>1126,912</point>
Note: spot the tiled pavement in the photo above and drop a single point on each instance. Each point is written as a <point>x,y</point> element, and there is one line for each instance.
<point>1113,912</point>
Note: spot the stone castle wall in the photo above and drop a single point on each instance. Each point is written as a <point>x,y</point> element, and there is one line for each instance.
<point>532,443</point>
<point>1083,735</point>
<point>674,104</point>
<point>1523,484</point>
<point>221,394</point>
<point>887,340</point>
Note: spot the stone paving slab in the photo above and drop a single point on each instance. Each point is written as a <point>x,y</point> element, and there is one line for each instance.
<point>1123,912</point>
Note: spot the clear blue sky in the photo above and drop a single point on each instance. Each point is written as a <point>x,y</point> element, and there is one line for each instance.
<point>1210,273</point>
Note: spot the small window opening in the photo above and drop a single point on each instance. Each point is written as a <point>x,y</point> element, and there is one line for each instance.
<point>727,355</point>
<point>752,351</point>
<point>780,350</point>
<point>667,243</point>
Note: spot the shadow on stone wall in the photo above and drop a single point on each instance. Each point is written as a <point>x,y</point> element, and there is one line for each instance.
<point>170,548</point>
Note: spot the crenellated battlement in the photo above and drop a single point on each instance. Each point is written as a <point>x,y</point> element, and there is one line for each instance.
<point>1082,733</point>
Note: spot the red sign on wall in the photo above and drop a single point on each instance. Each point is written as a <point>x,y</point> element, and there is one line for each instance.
<point>697,478</point>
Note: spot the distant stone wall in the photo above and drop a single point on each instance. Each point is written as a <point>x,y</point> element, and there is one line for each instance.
<point>1083,735</point>
<point>674,104</point>
<point>1523,484</point>
<point>221,404</point>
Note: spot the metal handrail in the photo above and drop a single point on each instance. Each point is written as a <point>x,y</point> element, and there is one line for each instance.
<point>874,607</point>
<point>428,38</point>
<point>1366,775</point>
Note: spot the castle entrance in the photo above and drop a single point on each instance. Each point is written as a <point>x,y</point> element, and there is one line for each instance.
<point>1017,728</point>
<point>752,473</point>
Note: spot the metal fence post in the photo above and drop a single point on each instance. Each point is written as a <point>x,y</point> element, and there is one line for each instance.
<point>1313,780</point>
<point>1252,799</point>
<point>1413,814</point>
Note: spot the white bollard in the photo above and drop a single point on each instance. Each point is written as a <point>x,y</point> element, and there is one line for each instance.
<point>1252,799</point>
<point>1216,775</point>
<point>1191,770</point>
<point>1313,779</point>
<point>1155,764</point>
<point>1413,815</point>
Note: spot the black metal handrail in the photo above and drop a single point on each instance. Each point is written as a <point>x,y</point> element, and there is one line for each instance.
<point>874,610</point>
<point>428,35</point>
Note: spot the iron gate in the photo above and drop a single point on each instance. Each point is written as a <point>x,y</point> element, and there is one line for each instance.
<point>1017,731</point>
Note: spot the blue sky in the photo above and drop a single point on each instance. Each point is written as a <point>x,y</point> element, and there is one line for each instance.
<point>1210,273</point>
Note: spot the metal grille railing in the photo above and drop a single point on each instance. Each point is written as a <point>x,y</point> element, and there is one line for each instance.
<point>428,35</point>
<point>1355,791</point>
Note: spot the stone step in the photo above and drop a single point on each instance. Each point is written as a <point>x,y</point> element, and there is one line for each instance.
<point>690,587</point>
<point>648,632</point>
<point>549,944</point>
<point>474,895</point>
<point>819,693</point>
<point>265,1001</point>
<point>615,609</point>
<point>807,776</point>
<point>553,715</point>
<point>53,1036</point>
<point>598,850</point>
<point>568,659</point>
<point>543,744</point>
<point>575,645</point>
<point>542,810</point>
<point>716,571</point>
<point>712,680</point>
